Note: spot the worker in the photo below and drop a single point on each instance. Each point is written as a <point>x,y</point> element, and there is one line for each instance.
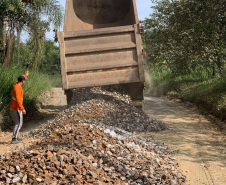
<point>16,107</point>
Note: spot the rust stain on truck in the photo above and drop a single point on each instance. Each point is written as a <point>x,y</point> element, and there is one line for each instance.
<point>101,45</point>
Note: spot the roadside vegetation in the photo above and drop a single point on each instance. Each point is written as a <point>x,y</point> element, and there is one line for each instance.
<point>34,86</point>
<point>206,93</point>
<point>185,42</point>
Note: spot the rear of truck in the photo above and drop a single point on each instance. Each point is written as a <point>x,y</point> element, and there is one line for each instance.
<point>101,45</point>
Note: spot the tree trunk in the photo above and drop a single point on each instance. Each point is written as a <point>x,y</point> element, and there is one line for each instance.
<point>10,43</point>
<point>18,41</point>
<point>3,47</point>
<point>19,30</point>
<point>214,73</point>
<point>218,62</point>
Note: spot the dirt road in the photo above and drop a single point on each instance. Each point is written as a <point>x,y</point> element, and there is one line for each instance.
<point>198,142</point>
<point>52,103</point>
<point>201,146</point>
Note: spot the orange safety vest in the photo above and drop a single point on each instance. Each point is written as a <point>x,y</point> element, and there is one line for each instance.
<point>17,97</point>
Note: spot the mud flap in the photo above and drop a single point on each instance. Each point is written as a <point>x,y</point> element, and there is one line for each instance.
<point>136,91</point>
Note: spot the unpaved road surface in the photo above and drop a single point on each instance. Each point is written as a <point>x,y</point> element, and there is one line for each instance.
<point>200,146</point>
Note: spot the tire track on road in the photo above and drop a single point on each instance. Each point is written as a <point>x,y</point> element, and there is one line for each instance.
<point>194,136</point>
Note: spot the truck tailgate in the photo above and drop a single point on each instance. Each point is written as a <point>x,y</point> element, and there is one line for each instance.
<point>103,56</point>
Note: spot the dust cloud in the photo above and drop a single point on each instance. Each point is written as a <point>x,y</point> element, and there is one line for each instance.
<point>148,79</point>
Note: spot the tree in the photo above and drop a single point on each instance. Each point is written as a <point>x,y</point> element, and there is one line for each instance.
<point>187,35</point>
<point>50,63</point>
<point>28,17</point>
<point>11,12</point>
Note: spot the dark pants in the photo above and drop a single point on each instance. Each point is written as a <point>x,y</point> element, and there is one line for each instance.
<point>18,121</point>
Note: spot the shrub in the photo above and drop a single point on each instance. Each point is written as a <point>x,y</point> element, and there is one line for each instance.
<point>36,84</point>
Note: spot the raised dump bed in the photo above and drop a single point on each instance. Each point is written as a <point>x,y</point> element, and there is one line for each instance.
<point>101,45</point>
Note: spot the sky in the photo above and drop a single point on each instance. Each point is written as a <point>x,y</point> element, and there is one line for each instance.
<point>143,8</point>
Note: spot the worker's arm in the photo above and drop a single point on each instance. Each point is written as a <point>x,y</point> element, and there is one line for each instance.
<point>26,74</point>
<point>19,98</point>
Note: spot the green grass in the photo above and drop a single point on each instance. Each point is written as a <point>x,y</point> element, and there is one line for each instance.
<point>210,94</point>
<point>55,80</point>
<point>162,83</point>
<point>207,93</point>
<point>36,84</point>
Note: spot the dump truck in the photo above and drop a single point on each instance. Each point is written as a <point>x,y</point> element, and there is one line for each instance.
<point>101,45</point>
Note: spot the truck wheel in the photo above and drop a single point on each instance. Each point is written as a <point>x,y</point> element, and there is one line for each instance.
<point>68,94</point>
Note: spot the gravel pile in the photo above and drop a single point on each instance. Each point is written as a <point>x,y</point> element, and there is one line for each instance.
<point>90,154</point>
<point>107,106</point>
<point>112,106</point>
<point>93,142</point>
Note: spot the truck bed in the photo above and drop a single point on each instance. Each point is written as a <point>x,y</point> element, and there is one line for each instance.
<point>103,56</point>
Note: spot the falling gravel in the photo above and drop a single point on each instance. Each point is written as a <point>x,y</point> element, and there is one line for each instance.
<point>112,106</point>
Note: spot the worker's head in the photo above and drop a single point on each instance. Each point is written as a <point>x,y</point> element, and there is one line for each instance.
<point>21,80</point>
